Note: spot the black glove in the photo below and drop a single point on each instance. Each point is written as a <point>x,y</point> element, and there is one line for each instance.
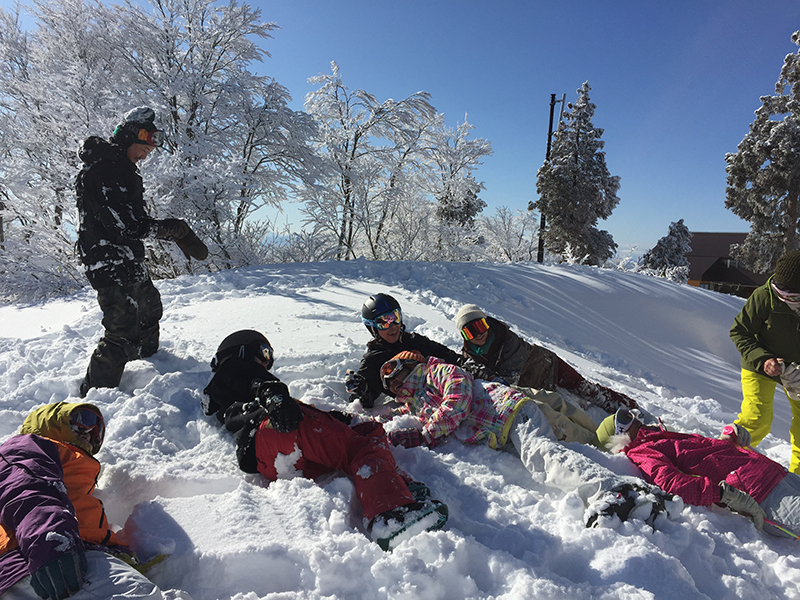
<point>284,412</point>
<point>191,245</point>
<point>172,229</point>
<point>356,386</point>
<point>61,577</point>
<point>340,416</point>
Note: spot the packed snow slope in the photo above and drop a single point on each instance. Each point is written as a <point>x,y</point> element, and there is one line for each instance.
<point>232,535</point>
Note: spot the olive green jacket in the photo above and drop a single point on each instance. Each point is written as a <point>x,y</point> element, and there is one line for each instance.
<point>766,328</point>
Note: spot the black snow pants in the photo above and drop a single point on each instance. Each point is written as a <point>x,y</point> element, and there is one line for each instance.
<point>130,318</point>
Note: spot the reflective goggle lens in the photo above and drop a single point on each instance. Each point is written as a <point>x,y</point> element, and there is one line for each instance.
<point>266,352</point>
<point>622,420</point>
<point>391,368</point>
<point>475,328</point>
<point>389,319</point>
<point>85,421</point>
<point>151,138</point>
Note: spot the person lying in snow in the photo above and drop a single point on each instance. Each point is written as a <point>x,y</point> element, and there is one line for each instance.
<point>448,401</point>
<point>270,427</point>
<point>492,345</point>
<point>705,471</point>
<point>383,318</point>
<point>55,539</point>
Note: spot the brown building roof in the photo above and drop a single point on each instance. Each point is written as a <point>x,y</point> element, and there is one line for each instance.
<point>710,261</point>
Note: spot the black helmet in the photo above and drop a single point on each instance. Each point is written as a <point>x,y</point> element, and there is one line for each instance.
<point>376,306</point>
<point>246,343</point>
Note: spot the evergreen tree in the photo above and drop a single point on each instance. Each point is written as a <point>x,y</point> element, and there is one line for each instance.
<point>668,257</point>
<point>575,187</point>
<point>764,174</point>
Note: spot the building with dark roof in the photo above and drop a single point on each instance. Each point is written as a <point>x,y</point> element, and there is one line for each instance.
<point>711,266</point>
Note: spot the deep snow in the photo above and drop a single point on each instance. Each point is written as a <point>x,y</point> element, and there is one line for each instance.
<point>231,535</point>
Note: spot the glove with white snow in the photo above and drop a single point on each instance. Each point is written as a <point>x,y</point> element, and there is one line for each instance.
<point>743,503</point>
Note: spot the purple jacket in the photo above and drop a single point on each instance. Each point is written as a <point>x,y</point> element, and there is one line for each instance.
<point>33,506</point>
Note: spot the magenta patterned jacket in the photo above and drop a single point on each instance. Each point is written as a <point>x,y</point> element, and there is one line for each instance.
<point>449,402</point>
<point>692,466</point>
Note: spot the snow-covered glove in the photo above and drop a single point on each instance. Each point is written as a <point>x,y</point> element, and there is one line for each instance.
<point>407,438</point>
<point>356,386</point>
<point>790,378</point>
<point>172,229</point>
<point>283,411</point>
<point>61,577</point>
<point>735,433</point>
<point>742,502</point>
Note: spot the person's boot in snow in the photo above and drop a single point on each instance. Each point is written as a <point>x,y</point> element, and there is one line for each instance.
<point>390,528</point>
<point>633,501</point>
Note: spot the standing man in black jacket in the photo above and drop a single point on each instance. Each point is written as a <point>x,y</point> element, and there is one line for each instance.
<point>113,221</point>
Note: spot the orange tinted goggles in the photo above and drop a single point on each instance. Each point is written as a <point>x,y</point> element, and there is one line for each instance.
<point>474,328</point>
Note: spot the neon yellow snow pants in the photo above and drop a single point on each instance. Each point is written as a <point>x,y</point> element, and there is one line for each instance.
<point>758,393</point>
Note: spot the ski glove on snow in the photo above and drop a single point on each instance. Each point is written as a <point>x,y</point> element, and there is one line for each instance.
<point>284,413</point>
<point>355,385</point>
<point>742,502</point>
<point>736,433</point>
<point>61,577</point>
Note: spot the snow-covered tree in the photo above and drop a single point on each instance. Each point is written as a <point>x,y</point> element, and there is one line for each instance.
<point>764,174</point>
<point>233,144</point>
<point>510,235</point>
<point>575,187</point>
<point>668,257</point>
<point>368,146</point>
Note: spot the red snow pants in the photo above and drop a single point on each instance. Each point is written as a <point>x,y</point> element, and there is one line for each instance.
<point>323,444</point>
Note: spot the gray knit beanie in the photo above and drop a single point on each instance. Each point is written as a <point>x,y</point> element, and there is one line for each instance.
<point>787,272</point>
<point>467,314</point>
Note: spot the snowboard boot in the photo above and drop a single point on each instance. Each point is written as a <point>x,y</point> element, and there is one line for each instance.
<point>390,528</point>
<point>419,491</point>
<point>633,501</point>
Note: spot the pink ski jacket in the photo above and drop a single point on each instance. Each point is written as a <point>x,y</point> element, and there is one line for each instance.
<point>692,466</point>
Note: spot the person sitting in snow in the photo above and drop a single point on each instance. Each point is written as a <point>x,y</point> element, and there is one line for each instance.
<point>383,318</point>
<point>491,344</point>
<point>704,471</point>
<point>55,539</point>
<point>448,401</point>
<point>270,426</point>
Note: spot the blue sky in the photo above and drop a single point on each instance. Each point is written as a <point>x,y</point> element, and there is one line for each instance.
<point>675,83</point>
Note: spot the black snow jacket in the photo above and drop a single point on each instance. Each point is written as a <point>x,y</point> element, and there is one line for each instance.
<point>368,376</point>
<point>112,216</point>
<point>513,359</point>
<point>232,394</point>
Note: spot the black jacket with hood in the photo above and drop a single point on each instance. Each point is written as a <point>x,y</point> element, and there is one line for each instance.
<point>112,215</point>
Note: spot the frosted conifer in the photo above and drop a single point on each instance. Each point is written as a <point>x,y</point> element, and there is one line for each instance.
<point>764,173</point>
<point>575,187</point>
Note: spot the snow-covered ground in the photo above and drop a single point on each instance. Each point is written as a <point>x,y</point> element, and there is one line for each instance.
<point>231,535</point>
